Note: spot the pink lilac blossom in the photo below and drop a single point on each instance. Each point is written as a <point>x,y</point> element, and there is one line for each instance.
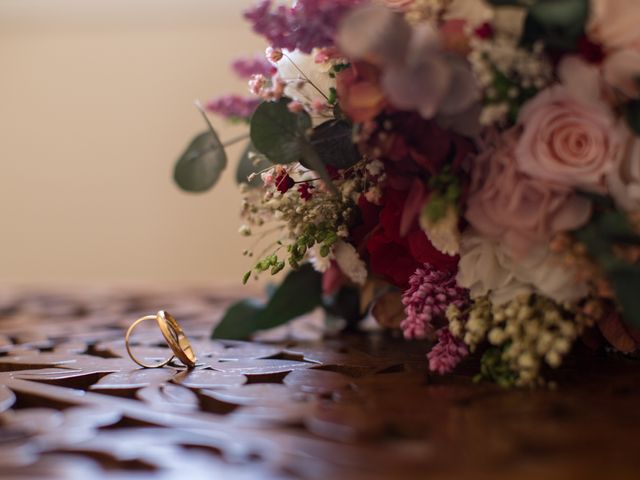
<point>429,294</point>
<point>307,25</point>
<point>233,107</point>
<point>447,353</point>
<point>247,67</point>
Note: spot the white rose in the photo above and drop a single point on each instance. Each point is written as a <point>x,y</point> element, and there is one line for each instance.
<point>482,269</point>
<point>485,268</point>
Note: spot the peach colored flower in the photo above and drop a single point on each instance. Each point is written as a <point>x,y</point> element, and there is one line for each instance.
<point>399,5</point>
<point>624,179</point>
<point>359,91</point>
<point>519,210</point>
<point>615,25</point>
<point>570,136</point>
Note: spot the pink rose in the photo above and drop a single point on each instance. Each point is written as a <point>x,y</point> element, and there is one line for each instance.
<point>570,135</point>
<point>521,211</point>
<point>615,25</point>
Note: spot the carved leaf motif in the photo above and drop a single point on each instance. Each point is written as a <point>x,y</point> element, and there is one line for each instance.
<point>254,394</point>
<point>169,397</point>
<point>209,379</point>
<point>7,398</point>
<point>316,381</point>
<point>259,367</point>
<point>134,379</point>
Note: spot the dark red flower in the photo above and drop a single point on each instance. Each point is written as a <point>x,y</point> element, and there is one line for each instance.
<point>392,255</point>
<point>590,51</point>
<point>414,146</point>
<point>284,182</point>
<point>305,190</point>
<point>484,31</point>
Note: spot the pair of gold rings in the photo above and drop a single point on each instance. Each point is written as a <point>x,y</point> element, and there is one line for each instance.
<point>173,335</point>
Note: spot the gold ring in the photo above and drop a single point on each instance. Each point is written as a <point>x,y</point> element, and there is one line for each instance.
<point>173,335</point>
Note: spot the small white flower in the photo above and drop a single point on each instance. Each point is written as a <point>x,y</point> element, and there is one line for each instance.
<point>320,264</point>
<point>350,262</point>
<point>298,88</point>
<point>375,168</point>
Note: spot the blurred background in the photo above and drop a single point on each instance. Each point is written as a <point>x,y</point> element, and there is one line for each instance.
<point>96,104</point>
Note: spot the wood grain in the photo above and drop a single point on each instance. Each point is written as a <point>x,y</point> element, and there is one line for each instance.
<point>360,406</point>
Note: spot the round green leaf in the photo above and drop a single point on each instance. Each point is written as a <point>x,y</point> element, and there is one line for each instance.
<point>278,133</point>
<point>200,166</point>
<point>333,142</point>
<point>632,113</point>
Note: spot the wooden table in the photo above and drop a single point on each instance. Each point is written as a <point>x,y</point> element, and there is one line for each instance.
<point>73,405</point>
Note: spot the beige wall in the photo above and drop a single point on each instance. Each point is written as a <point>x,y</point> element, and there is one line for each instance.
<point>95,105</point>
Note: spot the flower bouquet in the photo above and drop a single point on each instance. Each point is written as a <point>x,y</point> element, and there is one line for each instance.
<point>465,171</point>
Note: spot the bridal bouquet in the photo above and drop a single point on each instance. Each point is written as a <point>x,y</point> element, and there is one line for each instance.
<point>466,171</point>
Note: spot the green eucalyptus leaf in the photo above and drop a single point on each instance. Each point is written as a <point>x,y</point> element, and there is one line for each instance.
<point>558,23</point>
<point>251,162</point>
<point>299,293</point>
<point>279,134</point>
<point>333,142</point>
<point>632,114</point>
<point>625,279</point>
<point>237,319</point>
<point>199,167</point>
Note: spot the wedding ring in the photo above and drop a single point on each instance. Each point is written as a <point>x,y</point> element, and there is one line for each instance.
<point>173,335</point>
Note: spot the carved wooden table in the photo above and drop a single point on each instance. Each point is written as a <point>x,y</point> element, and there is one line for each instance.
<point>74,406</point>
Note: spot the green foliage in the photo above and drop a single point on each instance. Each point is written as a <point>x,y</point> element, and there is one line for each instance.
<point>494,369</point>
<point>558,23</point>
<point>607,228</point>
<point>279,134</point>
<point>299,293</point>
<point>283,137</point>
<point>445,190</point>
<point>251,162</point>
<point>333,142</point>
<point>199,167</point>
<point>632,114</point>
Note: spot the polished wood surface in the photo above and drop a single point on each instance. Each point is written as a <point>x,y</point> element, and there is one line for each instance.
<point>73,405</point>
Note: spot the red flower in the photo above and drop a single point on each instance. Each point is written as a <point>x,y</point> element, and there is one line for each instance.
<point>283,181</point>
<point>305,190</point>
<point>590,51</point>
<point>392,255</point>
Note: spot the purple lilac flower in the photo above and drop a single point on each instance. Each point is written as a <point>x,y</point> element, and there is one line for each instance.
<point>307,25</point>
<point>447,353</point>
<point>233,107</point>
<point>246,67</point>
<point>429,294</point>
